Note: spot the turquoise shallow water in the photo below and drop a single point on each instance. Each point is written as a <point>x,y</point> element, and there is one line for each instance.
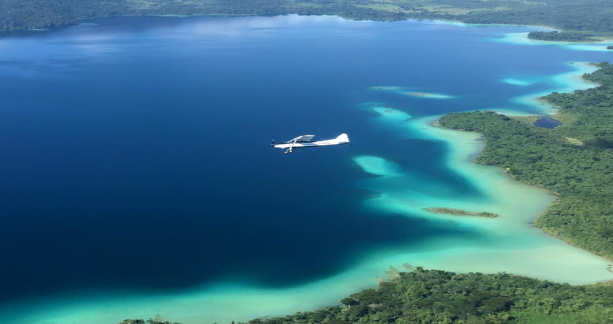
<point>138,179</point>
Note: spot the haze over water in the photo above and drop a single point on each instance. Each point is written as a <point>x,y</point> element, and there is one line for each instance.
<point>137,176</point>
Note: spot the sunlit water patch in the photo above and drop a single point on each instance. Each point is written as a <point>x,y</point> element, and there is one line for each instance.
<point>406,91</point>
<point>521,81</point>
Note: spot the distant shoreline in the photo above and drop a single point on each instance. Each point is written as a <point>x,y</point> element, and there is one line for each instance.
<point>40,16</point>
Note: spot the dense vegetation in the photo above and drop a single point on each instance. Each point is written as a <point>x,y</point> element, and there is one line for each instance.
<point>19,15</point>
<point>588,113</point>
<point>578,17</point>
<point>574,160</point>
<point>431,296</point>
<point>560,37</point>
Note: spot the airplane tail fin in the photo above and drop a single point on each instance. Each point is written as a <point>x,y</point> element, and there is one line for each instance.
<point>343,138</point>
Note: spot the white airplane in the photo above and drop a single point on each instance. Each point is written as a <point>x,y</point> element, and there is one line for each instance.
<point>307,141</point>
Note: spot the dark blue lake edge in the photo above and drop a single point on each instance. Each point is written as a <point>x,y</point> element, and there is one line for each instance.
<point>547,122</point>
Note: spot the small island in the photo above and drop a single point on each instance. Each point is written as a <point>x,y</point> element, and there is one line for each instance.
<point>459,212</point>
<point>610,47</point>
<point>561,37</point>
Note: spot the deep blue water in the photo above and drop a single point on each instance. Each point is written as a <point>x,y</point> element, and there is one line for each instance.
<point>134,152</point>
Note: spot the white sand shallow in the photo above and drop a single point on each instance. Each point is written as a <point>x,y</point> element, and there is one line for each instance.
<point>406,91</point>
<point>519,82</point>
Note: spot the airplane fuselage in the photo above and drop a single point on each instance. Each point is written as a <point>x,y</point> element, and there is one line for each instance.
<point>340,140</point>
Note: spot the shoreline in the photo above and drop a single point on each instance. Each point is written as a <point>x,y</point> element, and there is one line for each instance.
<point>529,223</point>
<point>533,222</point>
<point>78,20</point>
<point>502,171</point>
<point>545,230</point>
<point>557,112</point>
<point>541,100</point>
<point>565,240</point>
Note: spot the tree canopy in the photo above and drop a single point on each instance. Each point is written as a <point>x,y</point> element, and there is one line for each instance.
<point>432,296</point>
<point>574,160</point>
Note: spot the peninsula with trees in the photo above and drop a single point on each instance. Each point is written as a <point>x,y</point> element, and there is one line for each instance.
<point>574,160</point>
<point>433,296</point>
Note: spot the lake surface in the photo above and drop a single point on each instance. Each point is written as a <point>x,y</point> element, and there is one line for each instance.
<point>137,176</point>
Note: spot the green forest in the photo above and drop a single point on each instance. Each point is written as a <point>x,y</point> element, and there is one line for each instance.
<point>579,19</point>
<point>560,37</point>
<point>432,296</point>
<point>574,160</point>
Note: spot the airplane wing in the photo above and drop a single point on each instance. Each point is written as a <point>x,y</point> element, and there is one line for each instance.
<point>301,138</point>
